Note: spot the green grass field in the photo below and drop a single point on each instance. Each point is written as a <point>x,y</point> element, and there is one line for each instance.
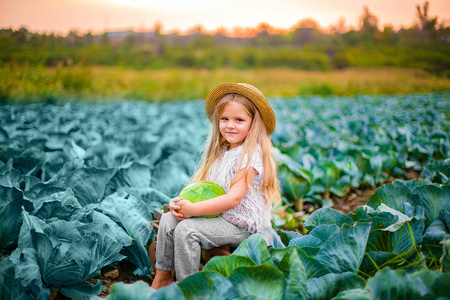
<point>31,84</point>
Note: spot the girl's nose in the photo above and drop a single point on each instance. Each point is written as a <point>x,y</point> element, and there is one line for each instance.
<point>230,125</point>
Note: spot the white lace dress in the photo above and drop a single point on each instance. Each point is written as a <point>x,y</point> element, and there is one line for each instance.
<point>251,212</point>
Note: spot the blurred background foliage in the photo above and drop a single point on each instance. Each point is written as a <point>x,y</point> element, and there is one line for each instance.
<point>74,62</point>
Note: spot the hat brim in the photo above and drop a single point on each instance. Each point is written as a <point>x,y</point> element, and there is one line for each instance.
<point>248,91</point>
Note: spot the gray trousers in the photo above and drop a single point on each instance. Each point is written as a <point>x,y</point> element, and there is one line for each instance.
<point>180,242</point>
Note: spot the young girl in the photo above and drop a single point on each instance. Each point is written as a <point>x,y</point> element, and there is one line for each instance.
<point>238,158</point>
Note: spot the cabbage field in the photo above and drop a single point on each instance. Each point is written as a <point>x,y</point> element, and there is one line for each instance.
<point>79,182</point>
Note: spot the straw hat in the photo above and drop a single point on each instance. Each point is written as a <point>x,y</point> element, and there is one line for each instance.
<point>247,90</point>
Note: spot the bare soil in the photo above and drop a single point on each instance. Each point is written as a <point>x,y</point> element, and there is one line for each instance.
<point>352,200</point>
<point>122,273</point>
<point>358,197</point>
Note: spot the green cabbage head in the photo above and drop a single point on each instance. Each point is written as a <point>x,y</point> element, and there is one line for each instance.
<point>201,191</point>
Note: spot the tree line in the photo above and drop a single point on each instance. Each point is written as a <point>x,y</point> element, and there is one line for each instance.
<point>424,45</point>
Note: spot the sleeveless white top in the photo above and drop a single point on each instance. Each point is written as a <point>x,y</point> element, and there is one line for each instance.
<point>251,213</point>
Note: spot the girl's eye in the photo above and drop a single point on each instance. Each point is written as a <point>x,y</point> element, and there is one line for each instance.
<point>240,120</point>
<point>223,119</point>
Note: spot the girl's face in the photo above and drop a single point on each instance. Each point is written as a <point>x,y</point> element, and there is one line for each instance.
<point>234,124</point>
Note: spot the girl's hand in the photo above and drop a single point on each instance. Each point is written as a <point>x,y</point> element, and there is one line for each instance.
<point>175,208</point>
<point>186,208</point>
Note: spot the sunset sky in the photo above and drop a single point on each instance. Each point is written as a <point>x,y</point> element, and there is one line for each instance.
<point>61,16</point>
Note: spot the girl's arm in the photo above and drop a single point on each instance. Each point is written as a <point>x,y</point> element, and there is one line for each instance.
<point>218,204</point>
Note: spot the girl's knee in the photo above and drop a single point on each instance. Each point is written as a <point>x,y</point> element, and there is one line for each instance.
<point>184,230</point>
<point>168,220</point>
<point>168,217</point>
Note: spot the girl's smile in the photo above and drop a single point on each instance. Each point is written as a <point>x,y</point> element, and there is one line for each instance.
<point>234,124</point>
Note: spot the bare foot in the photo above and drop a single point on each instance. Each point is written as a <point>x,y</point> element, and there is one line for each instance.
<point>162,279</point>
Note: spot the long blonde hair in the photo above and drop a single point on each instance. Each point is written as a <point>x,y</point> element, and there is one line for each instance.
<point>257,135</point>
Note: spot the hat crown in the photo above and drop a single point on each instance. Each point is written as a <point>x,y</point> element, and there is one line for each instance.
<point>252,88</point>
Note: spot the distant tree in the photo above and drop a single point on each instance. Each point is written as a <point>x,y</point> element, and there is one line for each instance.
<point>388,35</point>
<point>221,36</point>
<point>160,43</point>
<point>368,25</point>
<point>340,27</point>
<point>427,24</point>
<point>307,23</point>
<point>105,39</point>
<point>351,37</point>
<point>196,30</point>
<point>264,29</point>
<point>88,38</point>
<point>243,32</point>
<point>20,36</point>
<point>263,34</point>
<point>305,31</point>
<point>73,39</point>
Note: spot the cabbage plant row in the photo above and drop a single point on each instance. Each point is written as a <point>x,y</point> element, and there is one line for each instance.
<point>79,181</point>
<point>395,247</point>
<point>328,146</point>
